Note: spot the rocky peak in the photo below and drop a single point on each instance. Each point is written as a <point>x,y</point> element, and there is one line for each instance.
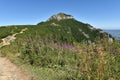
<point>60,16</point>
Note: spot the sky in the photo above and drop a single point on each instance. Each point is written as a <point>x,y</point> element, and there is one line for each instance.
<point>104,14</point>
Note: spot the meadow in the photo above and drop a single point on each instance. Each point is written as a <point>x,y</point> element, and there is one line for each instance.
<point>61,51</point>
<point>49,60</point>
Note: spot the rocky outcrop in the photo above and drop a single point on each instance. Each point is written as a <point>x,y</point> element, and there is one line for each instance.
<point>60,16</point>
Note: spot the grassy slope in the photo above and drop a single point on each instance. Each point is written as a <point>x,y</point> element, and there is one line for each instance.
<point>51,61</point>
<point>69,30</point>
<point>5,31</point>
<point>50,54</point>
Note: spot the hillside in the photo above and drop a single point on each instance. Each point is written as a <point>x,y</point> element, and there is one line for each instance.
<point>62,48</point>
<point>67,29</point>
<point>62,27</point>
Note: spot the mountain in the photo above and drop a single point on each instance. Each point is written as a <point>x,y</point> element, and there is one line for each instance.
<point>67,29</point>
<point>58,46</point>
<point>61,27</point>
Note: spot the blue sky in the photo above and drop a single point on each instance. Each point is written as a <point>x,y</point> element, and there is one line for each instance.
<point>104,14</point>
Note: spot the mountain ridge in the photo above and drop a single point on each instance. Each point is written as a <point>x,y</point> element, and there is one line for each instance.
<point>61,26</point>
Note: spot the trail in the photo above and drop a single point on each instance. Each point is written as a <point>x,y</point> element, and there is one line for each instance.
<point>8,70</point>
<point>11,38</point>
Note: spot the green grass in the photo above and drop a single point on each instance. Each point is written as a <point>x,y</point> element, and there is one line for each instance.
<point>79,61</point>
<point>46,73</point>
<point>67,31</point>
<point>5,31</point>
<point>61,52</point>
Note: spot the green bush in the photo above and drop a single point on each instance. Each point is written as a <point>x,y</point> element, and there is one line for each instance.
<point>83,62</point>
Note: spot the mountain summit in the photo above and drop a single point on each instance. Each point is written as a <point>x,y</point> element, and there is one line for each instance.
<point>60,16</point>
<point>65,28</point>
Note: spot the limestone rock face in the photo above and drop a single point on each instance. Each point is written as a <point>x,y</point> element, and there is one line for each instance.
<point>60,16</point>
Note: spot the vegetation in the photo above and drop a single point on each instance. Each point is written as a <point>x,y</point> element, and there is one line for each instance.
<point>80,61</point>
<point>5,31</point>
<point>57,50</point>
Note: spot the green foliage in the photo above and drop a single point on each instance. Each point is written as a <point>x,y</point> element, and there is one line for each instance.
<point>6,31</point>
<point>70,30</point>
<point>68,62</point>
<point>56,50</point>
<point>65,31</point>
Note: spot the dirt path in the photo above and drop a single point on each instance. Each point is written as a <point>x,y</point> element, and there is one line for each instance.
<point>8,70</point>
<point>11,38</point>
